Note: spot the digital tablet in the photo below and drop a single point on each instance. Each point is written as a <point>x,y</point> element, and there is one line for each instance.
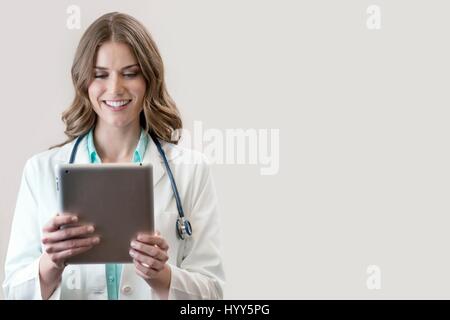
<point>117,198</point>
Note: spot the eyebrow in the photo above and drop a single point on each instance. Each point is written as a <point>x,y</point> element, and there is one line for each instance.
<point>127,67</point>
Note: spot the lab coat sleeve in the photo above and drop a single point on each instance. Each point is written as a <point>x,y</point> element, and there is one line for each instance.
<point>24,249</point>
<point>200,274</point>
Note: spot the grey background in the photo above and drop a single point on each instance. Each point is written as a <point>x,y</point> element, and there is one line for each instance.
<point>364,175</point>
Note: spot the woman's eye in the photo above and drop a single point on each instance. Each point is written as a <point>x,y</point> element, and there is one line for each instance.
<point>101,76</point>
<point>130,75</point>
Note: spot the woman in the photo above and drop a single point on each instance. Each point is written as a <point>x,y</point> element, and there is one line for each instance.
<point>120,99</point>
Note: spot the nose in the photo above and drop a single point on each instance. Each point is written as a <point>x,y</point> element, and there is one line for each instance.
<point>115,85</point>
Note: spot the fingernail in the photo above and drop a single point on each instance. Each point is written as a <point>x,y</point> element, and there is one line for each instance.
<point>96,240</point>
<point>133,244</point>
<point>90,228</point>
<point>132,253</point>
<point>74,219</point>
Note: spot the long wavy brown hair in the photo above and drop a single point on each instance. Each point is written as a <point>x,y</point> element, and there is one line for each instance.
<point>160,115</point>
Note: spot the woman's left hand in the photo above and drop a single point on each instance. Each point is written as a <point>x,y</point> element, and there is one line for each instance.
<point>149,253</point>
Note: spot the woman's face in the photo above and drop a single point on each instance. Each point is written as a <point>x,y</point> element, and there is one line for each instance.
<point>118,89</point>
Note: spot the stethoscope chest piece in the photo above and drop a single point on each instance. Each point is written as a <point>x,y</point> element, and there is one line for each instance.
<point>184,228</point>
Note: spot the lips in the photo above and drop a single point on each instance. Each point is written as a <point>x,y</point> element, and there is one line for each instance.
<point>117,105</point>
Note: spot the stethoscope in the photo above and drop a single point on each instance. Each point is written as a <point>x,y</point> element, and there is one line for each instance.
<point>183,226</point>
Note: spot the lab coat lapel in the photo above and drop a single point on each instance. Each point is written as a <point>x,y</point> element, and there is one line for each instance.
<point>81,156</point>
<point>152,156</point>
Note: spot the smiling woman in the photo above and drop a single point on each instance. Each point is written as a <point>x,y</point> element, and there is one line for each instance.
<point>118,88</point>
<point>118,60</point>
<point>121,112</point>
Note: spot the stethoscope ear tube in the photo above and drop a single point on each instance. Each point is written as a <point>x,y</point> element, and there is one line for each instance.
<point>183,226</point>
<point>75,149</point>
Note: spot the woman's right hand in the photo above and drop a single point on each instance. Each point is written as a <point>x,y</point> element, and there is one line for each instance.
<point>63,243</point>
<point>60,244</point>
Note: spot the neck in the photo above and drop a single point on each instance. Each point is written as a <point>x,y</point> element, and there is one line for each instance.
<point>116,144</point>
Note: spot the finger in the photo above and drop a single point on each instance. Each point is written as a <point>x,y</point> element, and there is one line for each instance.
<point>67,233</point>
<point>148,261</point>
<point>153,240</point>
<point>146,273</point>
<point>70,244</point>
<point>64,255</point>
<point>150,250</point>
<point>55,223</point>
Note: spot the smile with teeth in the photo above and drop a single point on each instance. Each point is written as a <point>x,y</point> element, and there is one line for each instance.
<point>116,103</point>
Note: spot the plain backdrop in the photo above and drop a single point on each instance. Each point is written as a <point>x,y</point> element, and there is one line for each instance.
<point>363,118</point>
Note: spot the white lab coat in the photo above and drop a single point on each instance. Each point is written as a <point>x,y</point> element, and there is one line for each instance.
<point>196,263</point>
